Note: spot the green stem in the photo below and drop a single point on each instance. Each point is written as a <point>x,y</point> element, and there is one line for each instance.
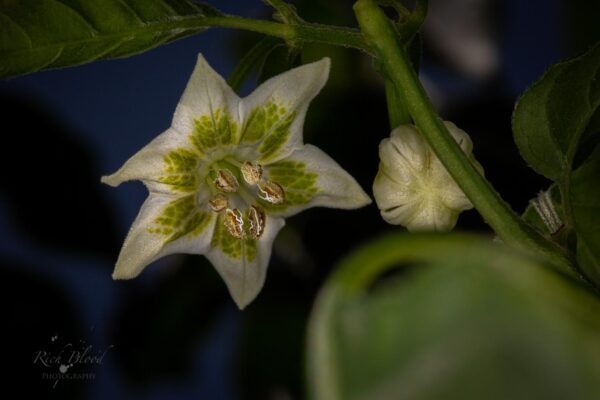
<point>380,34</point>
<point>305,32</point>
<point>397,112</point>
<point>285,10</point>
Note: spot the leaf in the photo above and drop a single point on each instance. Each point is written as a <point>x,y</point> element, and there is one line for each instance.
<point>43,34</point>
<point>463,320</point>
<point>585,201</point>
<point>557,118</point>
<point>254,59</point>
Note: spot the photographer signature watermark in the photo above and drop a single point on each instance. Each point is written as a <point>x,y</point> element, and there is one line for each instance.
<point>67,360</point>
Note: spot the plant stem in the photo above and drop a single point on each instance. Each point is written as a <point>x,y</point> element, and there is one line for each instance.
<point>397,112</point>
<point>381,36</point>
<point>304,32</point>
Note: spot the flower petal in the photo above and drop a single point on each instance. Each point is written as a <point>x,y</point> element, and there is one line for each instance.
<point>461,137</point>
<point>274,113</point>
<point>165,225</point>
<point>208,110</point>
<point>242,263</point>
<point>393,199</point>
<point>310,178</point>
<point>166,164</point>
<point>432,217</point>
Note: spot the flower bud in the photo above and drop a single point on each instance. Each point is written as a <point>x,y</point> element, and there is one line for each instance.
<point>413,188</point>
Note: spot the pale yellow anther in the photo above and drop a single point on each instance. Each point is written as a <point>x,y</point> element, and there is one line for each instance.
<point>252,172</point>
<point>219,202</point>
<point>234,223</point>
<point>271,191</point>
<point>257,218</point>
<point>226,181</point>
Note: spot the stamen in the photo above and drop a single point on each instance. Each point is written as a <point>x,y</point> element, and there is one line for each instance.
<point>234,223</point>
<point>252,172</point>
<point>226,181</point>
<point>271,191</point>
<point>219,202</point>
<point>257,218</point>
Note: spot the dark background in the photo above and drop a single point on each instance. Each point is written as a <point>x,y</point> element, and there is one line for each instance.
<point>174,332</point>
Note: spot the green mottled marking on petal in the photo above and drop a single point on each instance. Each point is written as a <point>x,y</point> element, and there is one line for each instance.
<point>230,246</point>
<point>261,120</point>
<point>298,184</point>
<point>180,218</point>
<point>180,170</point>
<point>221,239</point>
<point>277,138</point>
<point>211,131</point>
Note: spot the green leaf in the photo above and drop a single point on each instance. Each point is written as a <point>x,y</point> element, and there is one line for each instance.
<point>42,34</point>
<point>585,202</point>
<point>254,59</point>
<point>463,319</point>
<point>556,121</point>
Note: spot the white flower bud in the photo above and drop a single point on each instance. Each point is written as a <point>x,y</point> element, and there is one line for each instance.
<point>412,187</point>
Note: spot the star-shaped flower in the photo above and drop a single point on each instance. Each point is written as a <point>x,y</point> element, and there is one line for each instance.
<point>227,172</point>
<point>413,188</point>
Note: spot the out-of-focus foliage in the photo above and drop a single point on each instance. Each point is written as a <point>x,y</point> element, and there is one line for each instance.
<point>464,319</point>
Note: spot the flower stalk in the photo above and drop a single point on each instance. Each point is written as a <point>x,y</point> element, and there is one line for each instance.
<point>381,37</point>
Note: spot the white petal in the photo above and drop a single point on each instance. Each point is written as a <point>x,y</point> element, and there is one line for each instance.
<point>393,199</point>
<point>315,181</point>
<point>206,94</point>
<point>461,137</point>
<point>278,129</point>
<point>141,246</point>
<point>405,148</point>
<point>148,164</point>
<point>432,216</point>
<point>244,275</point>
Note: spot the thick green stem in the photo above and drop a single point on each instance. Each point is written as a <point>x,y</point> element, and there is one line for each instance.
<point>381,36</point>
<point>397,112</point>
<point>305,32</point>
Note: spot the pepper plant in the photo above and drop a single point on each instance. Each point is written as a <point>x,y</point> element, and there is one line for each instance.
<point>514,314</point>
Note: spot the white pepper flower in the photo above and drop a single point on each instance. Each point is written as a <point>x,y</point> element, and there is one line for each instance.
<point>227,172</point>
<point>413,188</point>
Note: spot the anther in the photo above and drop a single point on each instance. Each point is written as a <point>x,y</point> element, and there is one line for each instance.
<point>219,202</point>
<point>257,218</point>
<point>226,181</point>
<point>252,172</point>
<point>271,191</point>
<point>234,223</point>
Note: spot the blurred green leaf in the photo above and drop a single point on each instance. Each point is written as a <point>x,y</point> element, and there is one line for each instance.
<point>465,319</point>
<point>557,120</point>
<point>41,34</point>
<point>585,200</point>
<point>254,59</point>
<point>278,61</point>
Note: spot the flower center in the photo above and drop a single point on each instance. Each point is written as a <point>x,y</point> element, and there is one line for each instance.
<point>238,185</point>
